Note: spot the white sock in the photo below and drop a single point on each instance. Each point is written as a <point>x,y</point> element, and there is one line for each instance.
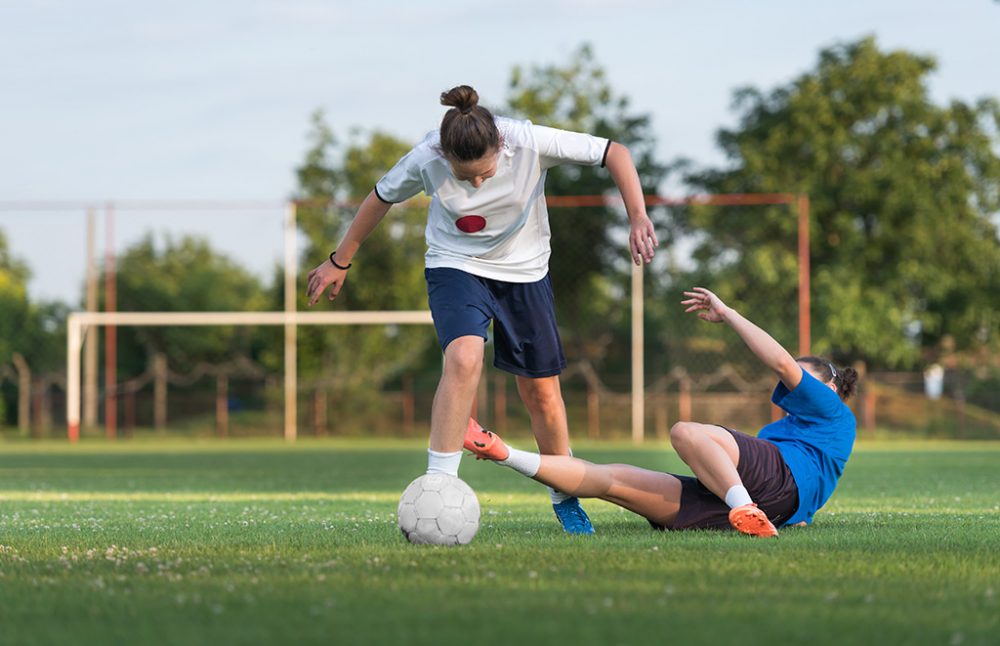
<point>438,462</point>
<point>557,496</point>
<point>737,496</point>
<point>524,462</point>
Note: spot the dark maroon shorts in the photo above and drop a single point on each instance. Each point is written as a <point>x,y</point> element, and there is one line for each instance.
<point>766,477</point>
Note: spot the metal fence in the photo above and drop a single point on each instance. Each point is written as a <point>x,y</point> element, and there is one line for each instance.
<point>688,369</point>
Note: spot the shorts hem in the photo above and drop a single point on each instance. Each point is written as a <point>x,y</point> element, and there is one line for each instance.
<point>525,372</point>
<point>444,345</point>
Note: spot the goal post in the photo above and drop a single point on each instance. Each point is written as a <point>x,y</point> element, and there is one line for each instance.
<point>79,323</point>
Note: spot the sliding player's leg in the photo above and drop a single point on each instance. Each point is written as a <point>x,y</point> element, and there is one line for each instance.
<point>653,495</point>
<point>714,456</point>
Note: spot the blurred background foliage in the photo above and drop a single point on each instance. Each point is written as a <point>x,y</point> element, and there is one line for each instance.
<point>905,258</point>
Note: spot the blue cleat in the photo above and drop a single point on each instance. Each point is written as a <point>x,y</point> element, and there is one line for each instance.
<point>573,518</point>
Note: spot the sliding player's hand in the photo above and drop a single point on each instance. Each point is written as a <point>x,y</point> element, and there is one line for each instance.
<point>325,275</point>
<point>708,306</point>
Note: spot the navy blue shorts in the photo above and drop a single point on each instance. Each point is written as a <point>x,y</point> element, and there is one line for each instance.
<point>525,336</point>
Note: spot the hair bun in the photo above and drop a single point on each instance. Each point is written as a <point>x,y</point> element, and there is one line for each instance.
<point>848,382</point>
<point>462,97</point>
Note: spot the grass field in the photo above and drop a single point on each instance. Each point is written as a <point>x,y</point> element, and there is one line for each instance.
<point>245,542</point>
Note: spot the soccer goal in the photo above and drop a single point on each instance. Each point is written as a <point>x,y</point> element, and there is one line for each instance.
<point>81,323</point>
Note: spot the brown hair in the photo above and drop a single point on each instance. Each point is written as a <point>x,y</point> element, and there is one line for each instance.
<point>845,379</point>
<point>468,131</point>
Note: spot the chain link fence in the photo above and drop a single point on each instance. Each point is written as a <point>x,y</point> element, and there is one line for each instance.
<point>381,379</point>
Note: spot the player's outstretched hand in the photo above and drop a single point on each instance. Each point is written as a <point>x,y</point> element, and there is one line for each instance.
<point>709,306</point>
<point>325,275</point>
<point>642,239</point>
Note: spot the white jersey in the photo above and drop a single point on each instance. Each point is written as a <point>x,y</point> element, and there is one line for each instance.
<point>500,230</point>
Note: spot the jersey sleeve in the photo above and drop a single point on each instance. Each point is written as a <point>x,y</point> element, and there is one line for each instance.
<point>564,147</point>
<point>810,401</point>
<point>403,180</point>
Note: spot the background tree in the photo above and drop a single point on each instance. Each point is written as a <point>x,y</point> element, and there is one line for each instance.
<point>183,275</point>
<point>36,331</point>
<point>16,318</point>
<point>357,361</point>
<point>904,251</point>
<point>590,257</point>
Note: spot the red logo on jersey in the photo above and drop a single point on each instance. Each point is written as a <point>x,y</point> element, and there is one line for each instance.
<point>471,223</point>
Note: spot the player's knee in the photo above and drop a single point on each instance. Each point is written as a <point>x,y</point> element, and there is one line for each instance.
<point>682,434</point>
<point>464,362</point>
<point>541,400</point>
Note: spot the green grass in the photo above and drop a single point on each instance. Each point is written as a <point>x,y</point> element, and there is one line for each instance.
<point>255,541</point>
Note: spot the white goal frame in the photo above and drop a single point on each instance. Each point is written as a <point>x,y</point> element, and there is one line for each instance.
<point>290,318</point>
<point>79,323</point>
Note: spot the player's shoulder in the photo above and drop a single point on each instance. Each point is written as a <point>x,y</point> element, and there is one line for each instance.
<point>427,150</point>
<point>516,133</point>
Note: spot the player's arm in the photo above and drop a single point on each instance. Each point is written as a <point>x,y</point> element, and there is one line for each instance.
<point>642,238</point>
<point>369,214</point>
<point>711,308</point>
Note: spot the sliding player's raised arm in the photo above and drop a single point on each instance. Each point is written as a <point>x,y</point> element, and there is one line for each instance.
<point>711,308</point>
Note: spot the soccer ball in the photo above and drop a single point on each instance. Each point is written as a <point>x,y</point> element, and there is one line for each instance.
<point>439,509</point>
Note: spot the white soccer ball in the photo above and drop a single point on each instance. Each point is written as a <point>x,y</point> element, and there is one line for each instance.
<point>439,509</point>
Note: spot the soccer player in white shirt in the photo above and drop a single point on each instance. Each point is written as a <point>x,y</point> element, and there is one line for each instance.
<point>487,262</point>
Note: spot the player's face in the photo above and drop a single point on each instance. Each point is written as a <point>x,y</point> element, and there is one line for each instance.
<point>477,171</point>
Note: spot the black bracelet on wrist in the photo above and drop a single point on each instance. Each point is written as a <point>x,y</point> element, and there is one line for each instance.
<point>334,262</point>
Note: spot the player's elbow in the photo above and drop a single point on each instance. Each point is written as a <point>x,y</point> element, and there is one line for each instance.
<point>618,155</point>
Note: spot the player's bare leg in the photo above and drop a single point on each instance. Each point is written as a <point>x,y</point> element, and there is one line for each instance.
<point>463,364</point>
<point>711,452</point>
<point>651,494</point>
<point>542,396</point>
<point>713,456</point>
<point>543,399</point>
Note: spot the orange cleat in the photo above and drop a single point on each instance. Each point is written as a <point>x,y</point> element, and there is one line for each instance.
<point>484,444</point>
<point>753,521</point>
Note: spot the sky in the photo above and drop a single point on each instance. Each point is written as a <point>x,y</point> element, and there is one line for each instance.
<point>114,101</point>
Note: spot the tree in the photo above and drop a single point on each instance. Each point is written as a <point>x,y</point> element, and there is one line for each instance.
<point>16,319</point>
<point>14,303</point>
<point>904,251</point>
<point>387,272</point>
<point>183,275</point>
<point>36,331</point>
<point>590,257</point>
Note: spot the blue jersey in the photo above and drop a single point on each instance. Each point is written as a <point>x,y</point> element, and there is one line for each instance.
<point>815,439</point>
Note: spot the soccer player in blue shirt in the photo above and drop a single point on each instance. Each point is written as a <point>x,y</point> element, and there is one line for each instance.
<point>751,484</point>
